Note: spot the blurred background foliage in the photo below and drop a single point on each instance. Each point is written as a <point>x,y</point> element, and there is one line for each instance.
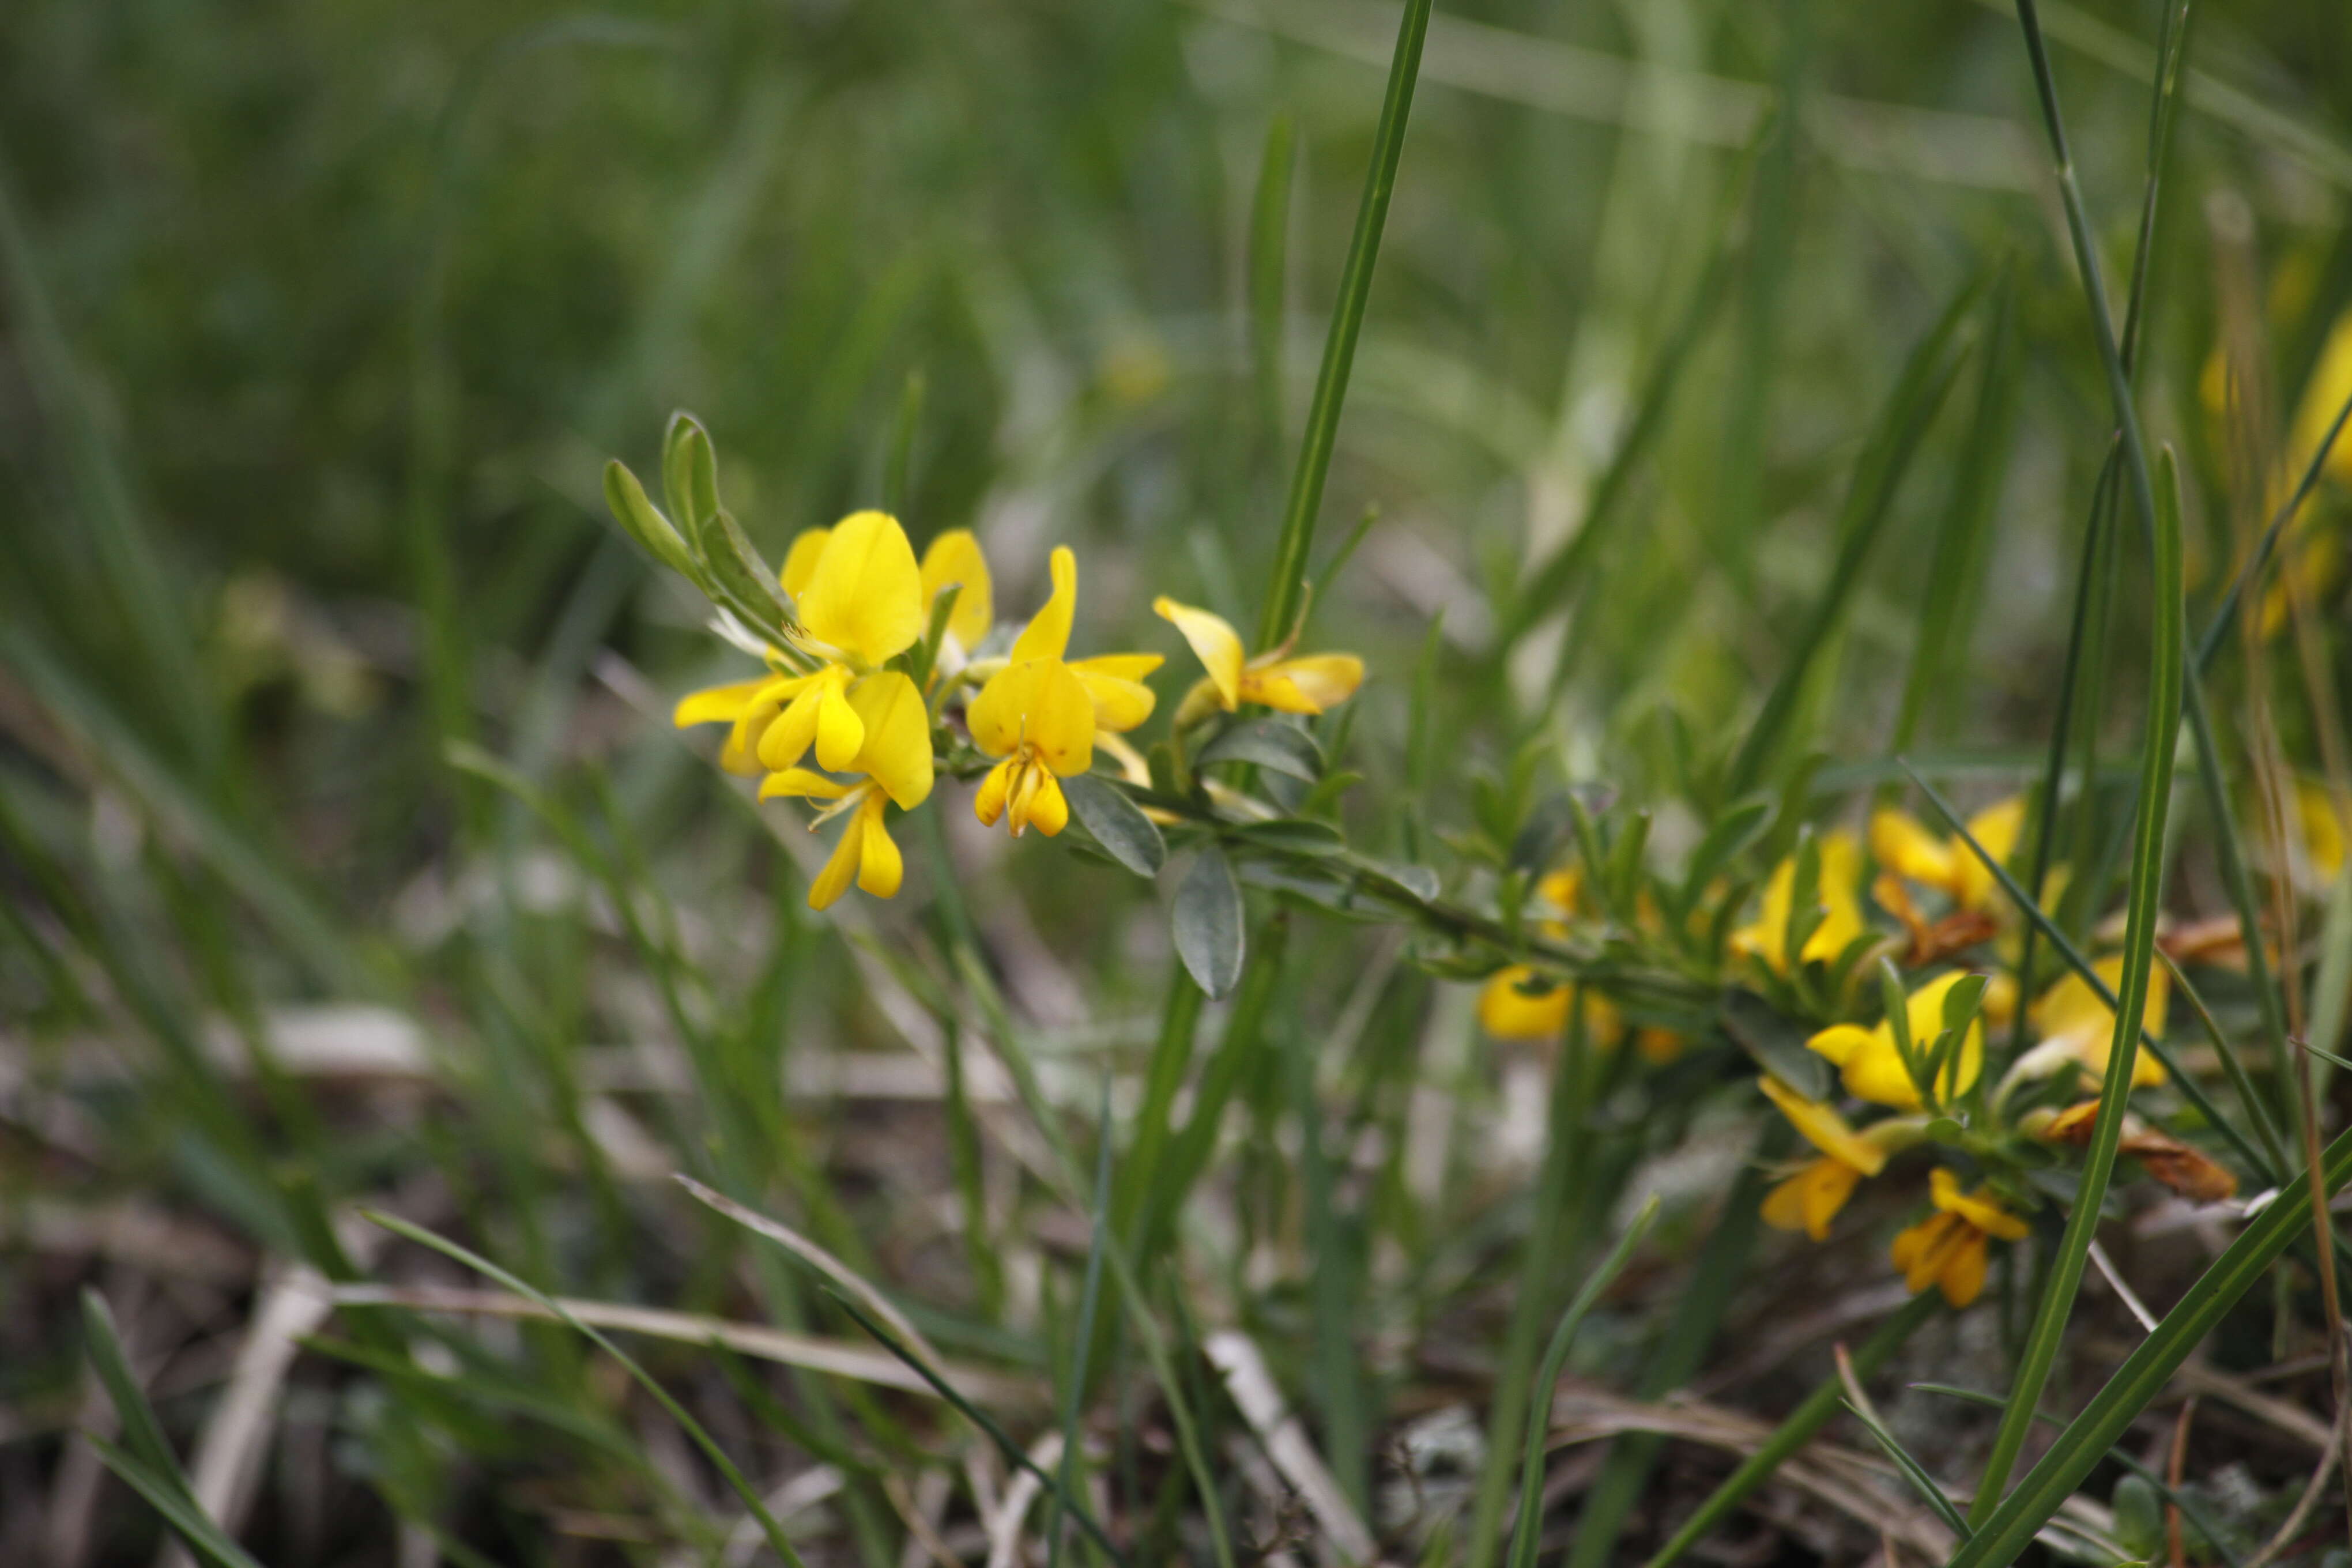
<point>319,320</point>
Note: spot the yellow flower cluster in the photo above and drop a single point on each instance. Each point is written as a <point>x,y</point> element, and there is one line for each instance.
<point>842,691</point>
<point>2073,1033</point>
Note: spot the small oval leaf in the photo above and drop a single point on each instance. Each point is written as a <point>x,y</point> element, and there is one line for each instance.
<point>643,521</point>
<point>1208,922</point>
<point>1270,743</point>
<point>1777,1044</point>
<point>1117,825</point>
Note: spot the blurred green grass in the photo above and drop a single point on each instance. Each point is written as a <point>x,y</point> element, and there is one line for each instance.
<point>319,320</point>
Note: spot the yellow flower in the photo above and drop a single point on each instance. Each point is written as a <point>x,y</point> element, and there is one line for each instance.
<point>1308,684</point>
<point>860,603</point>
<point>1811,1199</point>
<point>896,760</point>
<point>2076,1026</point>
<point>1872,1064</point>
<point>1036,716</point>
<point>2325,827</point>
<point>1114,681</point>
<point>1947,1248</point>
<point>1903,844</point>
<point>1509,1013</point>
<point>1841,903</point>
<point>1039,714</point>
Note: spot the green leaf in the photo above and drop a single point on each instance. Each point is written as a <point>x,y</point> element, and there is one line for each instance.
<point>1419,882</point>
<point>1270,743</point>
<point>689,471</point>
<point>626,501</point>
<point>1777,1044</point>
<point>2139,1517</point>
<point>1733,832</point>
<point>1208,922</point>
<point>749,587</point>
<point>1118,824</point>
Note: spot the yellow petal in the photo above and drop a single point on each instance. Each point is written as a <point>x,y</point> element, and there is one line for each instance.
<point>1963,1275</point>
<point>801,783</point>
<point>1119,705</point>
<point>1981,1211</point>
<point>800,561</point>
<point>1828,1183</point>
<point>1275,691</point>
<point>718,704</point>
<point>1997,828</point>
<point>1117,666</point>
<point>1047,808</point>
<point>840,869</point>
<point>840,733</point>
<point>1060,723</point>
<point>1509,1013</point>
<point>1561,889</point>
<point>1925,1012</point>
<point>1899,842</point>
<point>2073,1022</point>
<point>1047,634</point>
<point>1214,643</point>
<point>987,801</point>
<point>1319,681</point>
<point>1841,895</point>
<point>897,751</point>
<point>1824,1129</point>
<point>879,865</point>
<point>786,741</point>
<point>1784,1206</point>
<point>1841,1042</point>
<point>865,596</point>
<point>994,716</point>
<point>954,557</point>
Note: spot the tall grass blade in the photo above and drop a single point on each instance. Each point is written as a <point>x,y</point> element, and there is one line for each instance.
<point>1927,374</point>
<point>2006,1529</point>
<point>2063,1277</point>
<point>1526,1534</point>
<point>1074,1391</point>
<point>1288,580</point>
<point>1795,1432</point>
<point>743,1488</point>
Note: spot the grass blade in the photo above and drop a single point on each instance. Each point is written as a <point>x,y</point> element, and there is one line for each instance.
<point>1794,1433</point>
<point>1082,1336</point>
<point>2167,666</point>
<point>1918,393</point>
<point>2007,1529</point>
<point>1282,603</point>
<point>743,1488</point>
<point>1524,1537</point>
